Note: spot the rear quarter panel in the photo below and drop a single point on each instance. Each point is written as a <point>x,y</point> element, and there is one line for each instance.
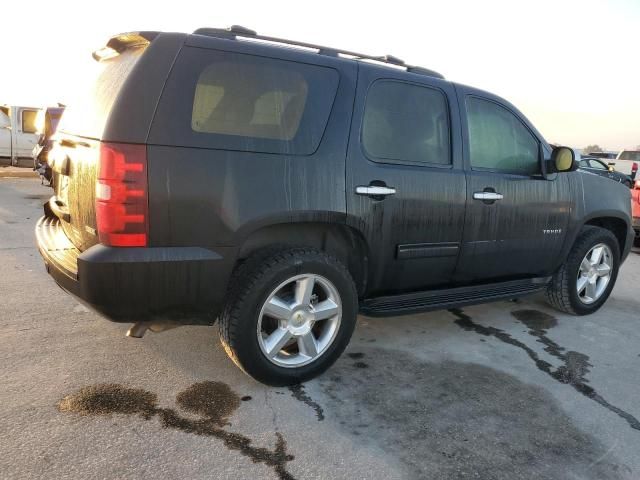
<point>216,198</point>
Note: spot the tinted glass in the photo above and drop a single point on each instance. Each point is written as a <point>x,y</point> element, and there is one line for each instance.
<point>498,140</point>
<point>630,155</point>
<point>407,123</point>
<point>29,118</point>
<point>250,100</point>
<point>232,101</point>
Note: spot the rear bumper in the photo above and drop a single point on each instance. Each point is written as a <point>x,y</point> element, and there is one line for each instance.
<point>183,284</point>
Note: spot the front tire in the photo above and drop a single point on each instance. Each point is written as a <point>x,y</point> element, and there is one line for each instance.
<point>584,282</point>
<point>289,315</point>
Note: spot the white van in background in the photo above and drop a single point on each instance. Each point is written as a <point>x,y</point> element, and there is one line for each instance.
<point>18,134</point>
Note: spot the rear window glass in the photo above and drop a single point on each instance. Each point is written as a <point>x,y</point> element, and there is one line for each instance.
<point>233,101</point>
<point>98,87</point>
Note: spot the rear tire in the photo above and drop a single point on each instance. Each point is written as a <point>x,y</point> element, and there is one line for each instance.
<point>565,293</point>
<point>309,344</point>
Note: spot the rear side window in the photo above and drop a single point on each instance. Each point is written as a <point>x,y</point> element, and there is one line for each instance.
<point>498,140</point>
<point>630,155</point>
<point>29,124</point>
<point>249,100</point>
<point>407,123</point>
<point>98,88</point>
<point>232,101</point>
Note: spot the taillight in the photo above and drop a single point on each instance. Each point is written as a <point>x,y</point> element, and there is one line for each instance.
<point>634,170</point>
<point>122,215</point>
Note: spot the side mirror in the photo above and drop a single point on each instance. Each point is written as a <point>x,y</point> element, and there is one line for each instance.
<point>563,159</point>
<point>611,169</point>
<point>4,121</point>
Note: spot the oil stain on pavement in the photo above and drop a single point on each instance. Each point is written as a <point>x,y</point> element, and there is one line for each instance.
<point>460,420</point>
<point>575,364</point>
<point>298,392</point>
<point>212,402</point>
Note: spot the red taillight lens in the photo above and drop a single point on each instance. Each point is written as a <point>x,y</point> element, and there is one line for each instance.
<point>121,195</point>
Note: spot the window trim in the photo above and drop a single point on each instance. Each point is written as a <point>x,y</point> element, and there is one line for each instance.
<point>392,161</point>
<point>522,122</point>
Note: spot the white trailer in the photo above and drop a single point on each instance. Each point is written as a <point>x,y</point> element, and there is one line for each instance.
<point>18,133</point>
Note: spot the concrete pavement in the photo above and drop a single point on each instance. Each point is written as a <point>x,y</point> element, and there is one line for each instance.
<point>506,390</point>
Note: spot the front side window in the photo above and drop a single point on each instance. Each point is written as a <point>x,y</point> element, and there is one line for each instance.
<point>29,121</point>
<point>407,123</point>
<point>597,165</point>
<point>498,140</point>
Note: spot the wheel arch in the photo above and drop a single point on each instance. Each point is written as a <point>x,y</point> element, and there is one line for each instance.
<point>342,241</point>
<point>616,225</point>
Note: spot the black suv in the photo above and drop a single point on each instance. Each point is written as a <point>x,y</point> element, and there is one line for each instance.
<point>281,188</point>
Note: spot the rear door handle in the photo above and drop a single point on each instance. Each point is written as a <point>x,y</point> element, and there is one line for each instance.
<point>375,191</point>
<point>488,196</point>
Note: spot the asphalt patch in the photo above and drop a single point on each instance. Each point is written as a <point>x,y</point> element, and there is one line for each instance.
<point>575,364</point>
<point>212,402</point>
<point>461,420</point>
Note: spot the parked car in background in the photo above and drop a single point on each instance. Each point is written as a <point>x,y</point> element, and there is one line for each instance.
<point>279,188</point>
<point>605,155</point>
<point>635,211</point>
<point>597,166</point>
<point>625,161</point>
<point>18,133</point>
<point>47,123</point>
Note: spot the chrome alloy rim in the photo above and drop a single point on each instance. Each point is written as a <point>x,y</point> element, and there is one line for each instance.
<point>299,320</point>
<point>594,273</point>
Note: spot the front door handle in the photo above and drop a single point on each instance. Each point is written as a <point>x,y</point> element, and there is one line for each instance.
<point>488,196</point>
<point>375,191</point>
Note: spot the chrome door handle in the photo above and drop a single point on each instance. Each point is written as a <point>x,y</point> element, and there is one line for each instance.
<point>490,196</point>
<point>375,190</point>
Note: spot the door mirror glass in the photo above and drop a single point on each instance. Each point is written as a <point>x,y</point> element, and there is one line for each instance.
<point>564,159</point>
<point>4,120</point>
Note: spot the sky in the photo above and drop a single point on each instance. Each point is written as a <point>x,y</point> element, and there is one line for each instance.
<point>572,67</point>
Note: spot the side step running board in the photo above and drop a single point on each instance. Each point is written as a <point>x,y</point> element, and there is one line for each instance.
<point>448,298</point>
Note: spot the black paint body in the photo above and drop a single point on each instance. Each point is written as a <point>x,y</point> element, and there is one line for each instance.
<point>211,208</point>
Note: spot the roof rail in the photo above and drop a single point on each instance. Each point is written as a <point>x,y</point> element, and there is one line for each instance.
<point>235,31</point>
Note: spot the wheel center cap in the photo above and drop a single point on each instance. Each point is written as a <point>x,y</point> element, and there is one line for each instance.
<point>300,322</point>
